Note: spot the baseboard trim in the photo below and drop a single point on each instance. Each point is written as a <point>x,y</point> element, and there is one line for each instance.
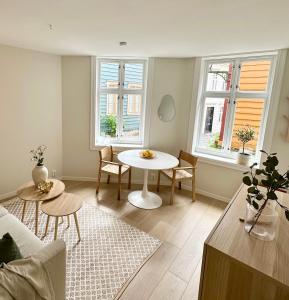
<point>7,195</point>
<point>212,195</point>
<point>74,178</point>
<point>139,181</point>
<point>103,179</point>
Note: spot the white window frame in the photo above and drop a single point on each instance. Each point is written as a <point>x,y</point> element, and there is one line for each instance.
<point>96,91</point>
<point>233,94</point>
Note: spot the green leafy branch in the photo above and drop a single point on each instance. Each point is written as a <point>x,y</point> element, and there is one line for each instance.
<point>268,177</point>
<point>245,135</point>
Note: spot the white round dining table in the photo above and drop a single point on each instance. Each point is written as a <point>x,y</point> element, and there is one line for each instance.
<point>145,199</point>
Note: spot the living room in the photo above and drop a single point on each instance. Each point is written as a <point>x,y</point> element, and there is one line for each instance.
<point>124,145</point>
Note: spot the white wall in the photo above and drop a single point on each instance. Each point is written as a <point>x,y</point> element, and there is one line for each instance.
<point>280,144</point>
<point>170,76</point>
<point>78,159</point>
<point>30,113</point>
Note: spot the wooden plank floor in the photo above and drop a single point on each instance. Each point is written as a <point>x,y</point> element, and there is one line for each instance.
<point>173,271</point>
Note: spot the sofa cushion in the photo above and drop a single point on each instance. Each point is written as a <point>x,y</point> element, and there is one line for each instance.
<point>25,239</point>
<point>3,211</point>
<point>8,249</point>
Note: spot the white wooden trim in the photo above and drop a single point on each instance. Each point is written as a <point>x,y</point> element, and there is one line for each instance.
<point>196,99</point>
<point>93,106</point>
<point>275,99</point>
<point>270,98</point>
<point>139,181</point>
<point>95,93</point>
<point>207,194</point>
<point>7,195</point>
<point>149,101</point>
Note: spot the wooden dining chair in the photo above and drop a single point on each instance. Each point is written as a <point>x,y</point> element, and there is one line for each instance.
<point>108,166</point>
<point>180,173</point>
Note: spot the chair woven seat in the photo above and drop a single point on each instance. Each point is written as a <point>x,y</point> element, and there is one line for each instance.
<point>114,169</point>
<point>180,174</point>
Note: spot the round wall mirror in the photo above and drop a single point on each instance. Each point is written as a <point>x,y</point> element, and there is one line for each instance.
<point>167,109</point>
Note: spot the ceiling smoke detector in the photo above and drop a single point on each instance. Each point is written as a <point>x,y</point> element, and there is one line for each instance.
<point>122,43</point>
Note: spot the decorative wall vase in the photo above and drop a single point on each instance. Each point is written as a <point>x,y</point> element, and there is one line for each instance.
<point>265,227</point>
<point>167,109</point>
<point>39,174</point>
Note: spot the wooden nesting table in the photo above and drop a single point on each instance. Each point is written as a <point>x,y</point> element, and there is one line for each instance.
<point>29,192</point>
<point>65,205</point>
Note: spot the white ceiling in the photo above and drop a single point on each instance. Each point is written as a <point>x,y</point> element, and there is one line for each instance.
<point>164,28</point>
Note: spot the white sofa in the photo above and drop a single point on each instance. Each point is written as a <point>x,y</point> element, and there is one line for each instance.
<point>52,256</point>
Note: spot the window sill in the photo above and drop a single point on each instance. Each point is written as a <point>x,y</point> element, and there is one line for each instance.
<point>220,161</point>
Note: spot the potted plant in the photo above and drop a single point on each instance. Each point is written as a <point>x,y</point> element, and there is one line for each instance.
<point>261,214</point>
<point>40,172</point>
<point>109,122</point>
<point>244,135</point>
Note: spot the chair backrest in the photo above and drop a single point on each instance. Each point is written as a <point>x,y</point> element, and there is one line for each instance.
<point>106,153</point>
<point>189,158</point>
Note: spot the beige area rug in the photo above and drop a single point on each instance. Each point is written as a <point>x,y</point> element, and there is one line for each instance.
<point>108,256</point>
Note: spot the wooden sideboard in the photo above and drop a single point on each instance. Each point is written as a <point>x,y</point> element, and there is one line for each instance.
<point>237,266</point>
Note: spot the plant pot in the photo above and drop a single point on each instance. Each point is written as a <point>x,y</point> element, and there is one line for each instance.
<point>39,174</point>
<point>266,225</point>
<point>243,159</point>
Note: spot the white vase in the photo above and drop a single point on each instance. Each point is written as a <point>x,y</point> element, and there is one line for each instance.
<point>266,225</point>
<point>243,159</point>
<point>39,174</point>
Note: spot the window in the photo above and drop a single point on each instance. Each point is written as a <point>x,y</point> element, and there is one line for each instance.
<point>235,94</point>
<point>120,101</point>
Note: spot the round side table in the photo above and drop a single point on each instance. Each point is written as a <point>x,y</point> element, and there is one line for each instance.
<point>65,205</point>
<point>161,161</point>
<point>29,192</point>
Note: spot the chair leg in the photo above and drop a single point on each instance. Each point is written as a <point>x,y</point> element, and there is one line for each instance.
<point>172,192</point>
<point>98,181</point>
<point>129,178</point>
<point>23,211</point>
<point>56,228</point>
<point>119,186</point>
<point>158,183</point>
<point>193,189</point>
<point>47,224</point>
<point>108,179</point>
<point>180,185</point>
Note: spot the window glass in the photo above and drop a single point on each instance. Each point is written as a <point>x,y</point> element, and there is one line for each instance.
<point>131,121</point>
<point>133,104</point>
<point>109,75</point>
<point>254,75</point>
<point>108,115</point>
<point>213,126</point>
<point>248,115</point>
<point>219,77</point>
<point>133,76</point>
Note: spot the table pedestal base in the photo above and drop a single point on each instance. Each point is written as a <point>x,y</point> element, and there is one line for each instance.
<point>148,201</point>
